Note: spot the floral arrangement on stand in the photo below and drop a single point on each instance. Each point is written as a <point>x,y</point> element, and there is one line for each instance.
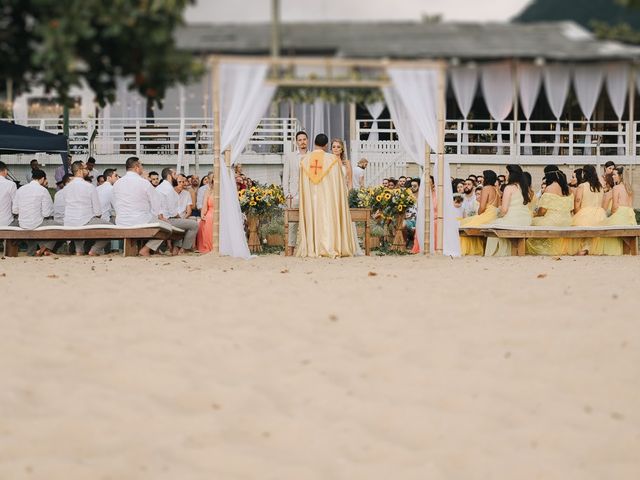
<point>257,202</point>
<point>360,197</point>
<point>390,207</point>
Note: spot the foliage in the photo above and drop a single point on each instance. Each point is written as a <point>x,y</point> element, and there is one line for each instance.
<point>330,95</point>
<point>61,43</point>
<point>261,200</point>
<point>360,197</point>
<point>389,203</point>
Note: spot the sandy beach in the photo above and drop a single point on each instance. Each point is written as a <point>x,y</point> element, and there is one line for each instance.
<point>383,368</point>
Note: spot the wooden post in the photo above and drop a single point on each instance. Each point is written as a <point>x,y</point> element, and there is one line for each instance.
<point>631,141</point>
<point>427,200</point>
<point>215,80</point>
<point>515,139</point>
<point>442,98</point>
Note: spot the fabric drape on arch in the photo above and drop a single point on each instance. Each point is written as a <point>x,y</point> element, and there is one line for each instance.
<point>587,83</point>
<point>244,98</point>
<point>416,90</point>
<point>375,110</point>
<point>617,88</point>
<point>529,82</point>
<point>497,88</point>
<point>556,86</point>
<point>464,81</point>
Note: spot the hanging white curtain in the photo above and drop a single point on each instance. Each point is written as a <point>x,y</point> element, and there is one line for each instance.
<point>375,110</point>
<point>497,89</point>
<point>244,98</point>
<point>587,83</point>
<point>529,82</point>
<point>617,87</point>
<point>418,91</point>
<point>464,81</point>
<point>556,86</point>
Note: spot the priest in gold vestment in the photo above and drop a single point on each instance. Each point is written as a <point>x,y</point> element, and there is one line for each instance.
<point>325,221</point>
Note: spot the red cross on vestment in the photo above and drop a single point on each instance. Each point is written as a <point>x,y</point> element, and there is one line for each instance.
<point>315,167</point>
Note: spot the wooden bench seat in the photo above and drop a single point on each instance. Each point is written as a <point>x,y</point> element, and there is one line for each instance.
<point>131,235</point>
<point>519,234</point>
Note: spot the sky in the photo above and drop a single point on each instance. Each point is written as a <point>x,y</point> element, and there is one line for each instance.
<point>241,11</point>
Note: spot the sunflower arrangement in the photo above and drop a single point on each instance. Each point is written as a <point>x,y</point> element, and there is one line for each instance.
<point>360,197</point>
<point>388,203</point>
<point>261,199</point>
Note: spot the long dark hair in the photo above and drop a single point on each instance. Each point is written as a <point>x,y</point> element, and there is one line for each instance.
<point>558,177</point>
<point>590,175</point>
<point>516,177</point>
<point>490,178</point>
<point>579,173</point>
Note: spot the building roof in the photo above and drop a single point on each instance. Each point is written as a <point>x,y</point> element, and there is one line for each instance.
<point>410,40</point>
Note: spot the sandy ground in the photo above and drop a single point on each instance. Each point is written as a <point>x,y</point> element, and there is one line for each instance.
<point>425,369</point>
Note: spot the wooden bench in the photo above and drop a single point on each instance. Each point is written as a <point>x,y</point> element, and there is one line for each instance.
<point>131,235</point>
<point>518,235</point>
<point>292,215</point>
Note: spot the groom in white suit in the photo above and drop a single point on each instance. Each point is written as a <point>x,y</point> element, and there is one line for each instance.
<point>291,179</point>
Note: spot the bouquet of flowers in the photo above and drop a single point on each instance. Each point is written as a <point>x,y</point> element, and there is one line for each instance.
<point>388,204</point>
<point>360,197</point>
<point>261,199</point>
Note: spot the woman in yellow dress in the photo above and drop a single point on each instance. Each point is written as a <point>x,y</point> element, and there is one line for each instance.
<point>487,213</point>
<point>514,211</point>
<point>607,187</point>
<point>622,212</point>
<point>554,209</point>
<point>588,212</point>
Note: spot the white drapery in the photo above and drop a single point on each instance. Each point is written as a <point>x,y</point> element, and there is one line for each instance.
<point>497,89</point>
<point>375,110</point>
<point>587,83</point>
<point>244,98</point>
<point>617,87</point>
<point>417,91</point>
<point>529,82</point>
<point>464,81</point>
<point>556,86</point>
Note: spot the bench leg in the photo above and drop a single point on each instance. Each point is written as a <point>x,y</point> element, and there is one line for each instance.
<point>518,247</point>
<point>10,248</point>
<point>367,238</point>
<point>630,246</point>
<point>131,247</point>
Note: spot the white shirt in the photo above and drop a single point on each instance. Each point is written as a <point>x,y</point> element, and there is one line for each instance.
<point>7,194</point>
<point>470,205</point>
<point>58,206</point>
<point>135,200</point>
<point>200,196</point>
<point>105,195</point>
<point>184,200</point>
<point>94,174</point>
<point>358,177</point>
<point>169,200</point>
<point>81,203</point>
<point>32,204</point>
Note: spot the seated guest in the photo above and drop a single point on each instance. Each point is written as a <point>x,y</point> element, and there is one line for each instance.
<point>402,182</point>
<point>170,209</point>
<point>415,187</point>
<point>469,204</point>
<point>204,240</point>
<point>478,193</point>
<point>532,195</point>
<point>62,170</point>
<point>154,178</point>
<point>514,210</point>
<point>204,186</point>
<point>487,213</point>
<point>588,212</point>
<point>34,166</point>
<point>577,177</point>
<point>607,170</point>
<point>82,206</point>
<point>91,173</point>
<point>101,180</point>
<point>385,182</point>
<point>392,183</point>
<point>457,205</point>
<point>58,201</point>
<point>105,194</point>
<point>185,205</point>
<point>458,186</point>
<point>480,181</point>
<point>554,209</point>
<point>136,202</point>
<point>193,191</point>
<point>34,208</point>
<point>7,194</point>
<point>474,178</point>
<point>622,212</point>
<point>607,188</point>
<point>502,180</point>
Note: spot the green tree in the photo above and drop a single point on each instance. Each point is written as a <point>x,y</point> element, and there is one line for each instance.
<point>59,43</point>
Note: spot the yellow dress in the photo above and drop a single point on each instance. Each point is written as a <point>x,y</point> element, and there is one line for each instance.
<point>517,215</point>
<point>622,216</point>
<point>591,214</point>
<point>558,214</point>
<point>475,245</point>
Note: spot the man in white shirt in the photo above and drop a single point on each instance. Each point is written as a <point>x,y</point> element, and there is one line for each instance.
<point>34,166</point>
<point>7,194</point>
<point>58,201</point>
<point>469,203</point>
<point>92,173</point>
<point>291,179</point>
<point>82,207</point>
<point>170,208</point>
<point>34,208</point>
<point>137,202</point>
<point>105,194</point>
<point>358,173</point>
<point>185,201</point>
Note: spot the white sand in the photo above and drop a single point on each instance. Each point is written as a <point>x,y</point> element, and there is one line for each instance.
<point>204,368</point>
